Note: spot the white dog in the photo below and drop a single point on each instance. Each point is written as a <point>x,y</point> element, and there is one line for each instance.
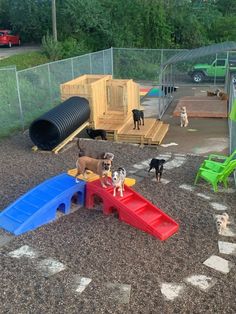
<point>183,117</point>
<point>221,222</point>
<point>118,180</point>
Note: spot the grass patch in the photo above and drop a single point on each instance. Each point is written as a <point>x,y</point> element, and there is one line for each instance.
<point>25,60</point>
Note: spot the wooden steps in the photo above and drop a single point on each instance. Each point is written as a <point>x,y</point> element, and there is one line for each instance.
<point>159,136</point>
<point>120,128</point>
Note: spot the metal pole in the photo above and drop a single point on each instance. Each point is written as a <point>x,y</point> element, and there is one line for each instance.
<point>112,65</point>
<point>103,59</point>
<point>50,83</point>
<point>54,20</point>
<point>90,63</point>
<point>215,71</point>
<point>72,68</point>
<point>19,98</point>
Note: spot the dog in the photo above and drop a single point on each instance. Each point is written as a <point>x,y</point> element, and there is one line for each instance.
<point>215,93</point>
<point>221,222</point>
<point>183,117</point>
<point>86,148</point>
<point>118,180</point>
<point>96,133</point>
<point>223,96</point>
<point>101,167</point>
<point>157,164</point>
<point>138,115</point>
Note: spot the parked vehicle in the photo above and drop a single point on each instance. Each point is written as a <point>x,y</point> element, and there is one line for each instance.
<point>9,38</point>
<point>217,69</point>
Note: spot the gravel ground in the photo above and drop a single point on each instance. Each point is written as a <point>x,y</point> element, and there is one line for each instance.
<point>106,250</point>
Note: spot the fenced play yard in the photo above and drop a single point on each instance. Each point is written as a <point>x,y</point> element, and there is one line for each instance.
<point>85,260</point>
<point>27,94</point>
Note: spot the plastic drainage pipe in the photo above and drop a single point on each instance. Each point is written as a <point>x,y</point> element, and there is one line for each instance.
<point>54,126</point>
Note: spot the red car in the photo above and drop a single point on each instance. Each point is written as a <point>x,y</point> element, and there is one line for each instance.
<point>9,38</point>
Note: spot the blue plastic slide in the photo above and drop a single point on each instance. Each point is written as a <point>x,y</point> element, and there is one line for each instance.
<point>39,206</point>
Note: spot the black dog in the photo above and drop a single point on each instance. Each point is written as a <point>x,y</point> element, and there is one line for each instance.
<point>95,133</point>
<point>157,164</point>
<point>138,115</point>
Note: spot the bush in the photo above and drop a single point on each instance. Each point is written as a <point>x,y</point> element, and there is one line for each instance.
<point>51,48</point>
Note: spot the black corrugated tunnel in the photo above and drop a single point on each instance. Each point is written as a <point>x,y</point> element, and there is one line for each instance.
<point>54,126</point>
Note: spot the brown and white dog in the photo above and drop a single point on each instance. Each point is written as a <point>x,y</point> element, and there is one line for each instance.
<point>101,167</point>
<point>183,117</point>
<point>221,222</point>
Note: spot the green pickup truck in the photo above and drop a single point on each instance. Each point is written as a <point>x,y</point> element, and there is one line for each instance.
<point>217,69</point>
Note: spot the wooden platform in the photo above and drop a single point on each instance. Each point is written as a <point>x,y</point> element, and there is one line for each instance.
<point>202,107</point>
<point>152,132</point>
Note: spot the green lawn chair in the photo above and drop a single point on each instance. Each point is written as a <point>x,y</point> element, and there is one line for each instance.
<point>225,159</point>
<point>215,165</point>
<point>218,175</point>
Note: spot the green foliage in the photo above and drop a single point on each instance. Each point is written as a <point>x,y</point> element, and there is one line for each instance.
<point>31,18</point>
<point>84,25</point>
<point>72,48</point>
<point>51,48</point>
<point>25,60</point>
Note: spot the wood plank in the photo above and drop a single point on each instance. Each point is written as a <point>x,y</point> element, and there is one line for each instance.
<point>70,138</point>
<point>128,127</point>
<point>161,134</point>
<point>154,129</point>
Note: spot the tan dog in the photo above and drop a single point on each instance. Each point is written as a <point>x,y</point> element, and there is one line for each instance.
<point>223,96</point>
<point>183,117</point>
<point>221,222</point>
<point>101,167</point>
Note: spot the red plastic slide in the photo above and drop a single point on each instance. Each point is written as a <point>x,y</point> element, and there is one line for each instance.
<point>133,209</point>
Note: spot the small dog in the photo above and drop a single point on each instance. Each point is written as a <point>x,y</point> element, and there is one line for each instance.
<point>223,96</point>
<point>138,115</point>
<point>102,167</point>
<point>86,148</point>
<point>118,180</point>
<point>183,117</point>
<point>157,164</point>
<point>215,93</point>
<point>221,222</point>
<point>95,133</point>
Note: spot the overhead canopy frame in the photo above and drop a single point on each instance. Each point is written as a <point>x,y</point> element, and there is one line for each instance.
<point>201,52</point>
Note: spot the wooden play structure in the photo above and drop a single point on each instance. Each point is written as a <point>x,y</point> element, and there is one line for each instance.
<point>111,103</point>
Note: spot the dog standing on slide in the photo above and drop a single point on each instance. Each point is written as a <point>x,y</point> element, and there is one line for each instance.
<point>118,180</point>
<point>102,167</point>
<point>157,164</point>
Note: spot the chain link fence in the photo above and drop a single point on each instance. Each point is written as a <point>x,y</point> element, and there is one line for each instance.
<point>27,94</point>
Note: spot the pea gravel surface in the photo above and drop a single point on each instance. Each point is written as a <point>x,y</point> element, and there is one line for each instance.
<point>106,265</point>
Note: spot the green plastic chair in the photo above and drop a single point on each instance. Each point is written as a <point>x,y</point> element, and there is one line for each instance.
<point>215,165</point>
<point>225,159</point>
<point>218,175</point>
